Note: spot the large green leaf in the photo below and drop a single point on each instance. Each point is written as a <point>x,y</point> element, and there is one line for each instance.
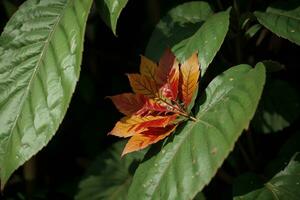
<point>283,19</point>
<point>109,176</point>
<point>283,186</point>
<point>182,29</point>
<point>278,108</point>
<point>207,40</point>
<point>191,158</point>
<point>110,11</point>
<point>40,56</point>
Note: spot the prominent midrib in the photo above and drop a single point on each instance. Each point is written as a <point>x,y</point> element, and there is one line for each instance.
<point>184,139</point>
<point>37,66</point>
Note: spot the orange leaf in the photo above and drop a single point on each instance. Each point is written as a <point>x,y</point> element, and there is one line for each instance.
<point>146,138</point>
<point>148,67</point>
<point>151,106</point>
<point>129,126</point>
<point>190,72</point>
<point>143,85</point>
<point>128,103</point>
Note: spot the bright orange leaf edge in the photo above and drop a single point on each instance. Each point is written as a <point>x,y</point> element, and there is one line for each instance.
<point>162,94</point>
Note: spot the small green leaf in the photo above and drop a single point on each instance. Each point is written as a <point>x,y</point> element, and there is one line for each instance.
<point>278,108</point>
<point>40,56</point>
<point>285,185</point>
<point>283,19</point>
<point>179,24</point>
<point>110,11</point>
<point>190,159</point>
<point>253,30</point>
<point>109,176</point>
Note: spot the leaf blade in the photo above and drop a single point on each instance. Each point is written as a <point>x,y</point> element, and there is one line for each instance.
<point>283,19</point>
<point>36,82</point>
<point>191,160</point>
<point>110,11</point>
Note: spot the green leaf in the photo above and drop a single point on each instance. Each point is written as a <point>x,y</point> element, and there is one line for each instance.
<point>110,11</point>
<point>180,23</point>
<point>190,159</point>
<point>283,19</point>
<point>253,30</point>
<point>40,56</point>
<point>109,176</point>
<point>9,7</point>
<point>284,186</point>
<point>207,40</point>
<point>278,108</point>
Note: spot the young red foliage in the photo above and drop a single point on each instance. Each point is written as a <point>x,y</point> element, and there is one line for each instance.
<point>162,94</point>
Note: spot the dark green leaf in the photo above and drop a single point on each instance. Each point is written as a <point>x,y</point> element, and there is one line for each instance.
<point>283,19</point>
<point>180,23</point>
<point>109,175</point>
<point>110,11</point>
<point>40,56</point>
<point>284,186</point>
<point>273,66</point>
<point>278,108</point>
<point>191,158</point>
<point>9,7</point>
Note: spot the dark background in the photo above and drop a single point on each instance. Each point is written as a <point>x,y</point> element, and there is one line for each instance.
<point>82,135</point>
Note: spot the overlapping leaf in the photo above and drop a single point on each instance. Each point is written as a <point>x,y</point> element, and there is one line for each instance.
<point>191,158</point>
<point>284,186</point>
<point>40,56</point>
<point>188,28</point>
<point>163,92</point>
<point>110,11</point>
<point>109,176</point>
<point>275,110</point>
<point>283,19</point>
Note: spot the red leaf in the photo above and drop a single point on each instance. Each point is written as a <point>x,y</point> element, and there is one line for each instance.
<point>146,138</point>
<point>128,103</point>
<point>129,126</point>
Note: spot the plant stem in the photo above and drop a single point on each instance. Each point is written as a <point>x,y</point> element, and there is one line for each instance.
<point>178,110</point>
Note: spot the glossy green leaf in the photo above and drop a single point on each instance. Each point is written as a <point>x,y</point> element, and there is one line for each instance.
<point>109,176</point>
<point>278,108</point>
<point>110,11</point>
<point>206,41</point>
<point>283,186</point>
<point>180,23</point>
<point>191,158</point>
<point>283,19</point>
<point>40,56</point>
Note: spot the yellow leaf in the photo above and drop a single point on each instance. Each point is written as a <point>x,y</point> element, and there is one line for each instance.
<point>190,72</point>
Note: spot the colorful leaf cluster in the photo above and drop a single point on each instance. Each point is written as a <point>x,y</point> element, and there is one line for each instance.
<point>162,95</point>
